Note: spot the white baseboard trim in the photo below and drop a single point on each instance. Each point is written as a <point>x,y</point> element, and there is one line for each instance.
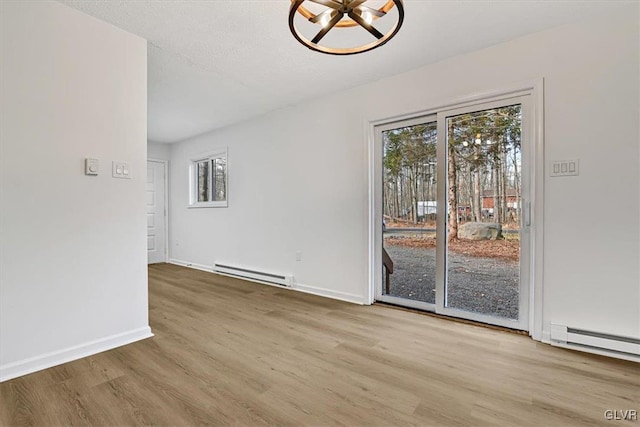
<point>208,268</point>
<point>54,358</point>
<point>546,337</point>
<point>327,293</point>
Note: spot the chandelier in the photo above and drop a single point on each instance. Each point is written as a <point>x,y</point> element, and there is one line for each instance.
<point>311,21</point>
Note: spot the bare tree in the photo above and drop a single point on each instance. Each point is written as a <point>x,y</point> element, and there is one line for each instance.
<point>452,185</point>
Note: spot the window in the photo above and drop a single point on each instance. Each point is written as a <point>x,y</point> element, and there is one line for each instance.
<point>208,180</point>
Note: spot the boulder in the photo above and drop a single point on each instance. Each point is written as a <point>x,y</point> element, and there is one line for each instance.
<point>480,231</point>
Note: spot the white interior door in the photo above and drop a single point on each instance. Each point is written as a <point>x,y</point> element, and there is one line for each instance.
<point>156,215</point>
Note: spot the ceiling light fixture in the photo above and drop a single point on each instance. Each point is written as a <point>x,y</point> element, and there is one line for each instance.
<point>329,14</point>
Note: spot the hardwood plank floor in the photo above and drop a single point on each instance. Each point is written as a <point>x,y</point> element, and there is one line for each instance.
<point>229,352</point>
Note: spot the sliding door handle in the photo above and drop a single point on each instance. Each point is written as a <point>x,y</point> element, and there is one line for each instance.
<point>527,213</point>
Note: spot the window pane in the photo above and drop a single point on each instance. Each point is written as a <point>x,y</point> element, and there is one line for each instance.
<point>483,253</point>
<point>219,167</point>
<point>202,177</point>
<point>409,208</point>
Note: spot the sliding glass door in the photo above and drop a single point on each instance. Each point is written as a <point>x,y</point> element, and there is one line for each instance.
<point>455,212</point>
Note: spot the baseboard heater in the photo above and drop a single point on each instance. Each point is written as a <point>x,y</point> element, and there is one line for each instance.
<point>254,275</point>
<point>562,334</point>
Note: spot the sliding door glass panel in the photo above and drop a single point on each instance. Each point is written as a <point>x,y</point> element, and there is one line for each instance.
<point>484,199</point>
<point>409,212</point>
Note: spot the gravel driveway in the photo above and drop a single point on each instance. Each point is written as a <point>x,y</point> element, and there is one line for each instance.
<point>480,285</point>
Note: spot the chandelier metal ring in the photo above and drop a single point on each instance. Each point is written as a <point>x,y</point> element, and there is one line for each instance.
<point>344,14</point>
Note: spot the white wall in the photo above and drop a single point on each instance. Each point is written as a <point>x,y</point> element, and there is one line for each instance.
<point>298,176</point>
<point>73,278</point>
<point>158,151</point>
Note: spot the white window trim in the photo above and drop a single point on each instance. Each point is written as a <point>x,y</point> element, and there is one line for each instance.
<point>193,203</point>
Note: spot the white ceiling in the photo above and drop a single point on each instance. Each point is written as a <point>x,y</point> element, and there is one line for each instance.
<point>214,63</point>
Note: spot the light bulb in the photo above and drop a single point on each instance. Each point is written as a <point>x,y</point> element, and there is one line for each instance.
<point>465,143</point>
<point>478,141</point>
<point>324,20</point>
<point>367,16</point>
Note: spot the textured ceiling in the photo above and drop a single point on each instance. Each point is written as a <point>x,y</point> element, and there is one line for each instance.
<point>214,63</point>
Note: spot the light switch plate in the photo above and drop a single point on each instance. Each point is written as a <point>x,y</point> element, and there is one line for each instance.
<point>120,170</point>
<point>569,167</point>
<point>91,167</point>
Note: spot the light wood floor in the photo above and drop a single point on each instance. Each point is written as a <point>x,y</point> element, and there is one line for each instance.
<point>228,352</point>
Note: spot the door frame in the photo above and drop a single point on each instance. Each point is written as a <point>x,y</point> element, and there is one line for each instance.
<point>165,165</point>
<point>535,90</point>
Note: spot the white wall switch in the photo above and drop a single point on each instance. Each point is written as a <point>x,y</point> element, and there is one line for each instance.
<point>120,170</point>
<point>564,167</point>
<point>91,167</point>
